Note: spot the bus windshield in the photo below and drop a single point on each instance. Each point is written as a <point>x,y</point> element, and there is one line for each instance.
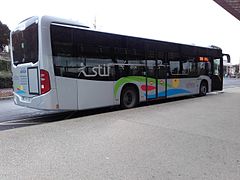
<point>25,45</point>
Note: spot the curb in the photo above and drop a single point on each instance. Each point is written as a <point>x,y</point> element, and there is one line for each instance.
<point>6,93</point>
<point>6,98</point>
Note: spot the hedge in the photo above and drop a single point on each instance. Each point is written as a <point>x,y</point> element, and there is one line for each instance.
<point>5,65</point>
<point>5,74</point>
<point>5,82</point>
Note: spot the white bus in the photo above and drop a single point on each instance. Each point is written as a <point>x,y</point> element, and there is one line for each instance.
<point>59,64</point>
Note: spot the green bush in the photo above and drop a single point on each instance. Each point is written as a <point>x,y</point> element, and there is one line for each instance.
<point>6,82</point>
<point>5,79</point>
<point>5,65</point>
<point>5,74</point>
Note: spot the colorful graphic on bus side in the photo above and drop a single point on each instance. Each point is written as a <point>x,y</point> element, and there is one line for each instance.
<point>172,89</point>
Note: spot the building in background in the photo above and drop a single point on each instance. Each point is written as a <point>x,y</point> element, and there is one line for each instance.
<point>232,71</point>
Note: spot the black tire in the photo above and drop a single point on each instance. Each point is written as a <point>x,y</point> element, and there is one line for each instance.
<point>203,88</point>
<point>129,97</point>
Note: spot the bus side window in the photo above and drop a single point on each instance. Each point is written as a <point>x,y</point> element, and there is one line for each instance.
<point>120,68</point>
<point>208,67</point>
<point>161,70</point>
<point>137,67</point>
<point>175,67</point>
<point>193,70</point>
<point>185,67</point>
<point>151,68</point>
<point>201,68</point>
<point>204,68</point>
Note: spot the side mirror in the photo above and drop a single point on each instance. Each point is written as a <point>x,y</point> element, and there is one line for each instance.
<point>228,59</point>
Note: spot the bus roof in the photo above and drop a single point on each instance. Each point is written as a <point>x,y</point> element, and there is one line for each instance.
<point>166,46</point>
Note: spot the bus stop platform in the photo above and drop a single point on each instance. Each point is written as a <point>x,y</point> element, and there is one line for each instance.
<point>192,138</point>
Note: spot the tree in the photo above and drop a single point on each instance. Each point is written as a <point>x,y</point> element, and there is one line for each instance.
<point>4,35</point>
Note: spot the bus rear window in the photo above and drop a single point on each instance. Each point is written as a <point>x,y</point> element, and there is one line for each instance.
<point>25,45</point>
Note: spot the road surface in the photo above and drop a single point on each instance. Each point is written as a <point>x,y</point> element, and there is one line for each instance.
<point>193,138</point>
<point>231,82</point>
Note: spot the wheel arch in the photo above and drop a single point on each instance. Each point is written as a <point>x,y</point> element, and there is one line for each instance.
<point>203,88</point>
<point>205,81</point>
<point>126,87</point>
<point>130,85</point>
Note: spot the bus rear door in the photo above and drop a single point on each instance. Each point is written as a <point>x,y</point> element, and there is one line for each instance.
<point>155,80</point>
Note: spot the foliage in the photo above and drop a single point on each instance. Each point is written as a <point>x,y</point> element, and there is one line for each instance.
<point>5,82</point>
<point>5,79</point>
<point>5,66</point>
<point>5,74</point>
<point>4,35</point>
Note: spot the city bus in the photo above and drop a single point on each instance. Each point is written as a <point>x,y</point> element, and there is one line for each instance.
<point>60,64</point>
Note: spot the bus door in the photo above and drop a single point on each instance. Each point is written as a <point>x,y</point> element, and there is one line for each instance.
<point>217,75</point>
<point>161,79</point>
<point>155,80</point>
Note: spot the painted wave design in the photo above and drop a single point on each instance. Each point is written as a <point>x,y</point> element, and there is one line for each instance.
<point>170,92</point>
<point>20,92</point>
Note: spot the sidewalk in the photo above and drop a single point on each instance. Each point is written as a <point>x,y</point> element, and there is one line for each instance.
<point>6,93</point>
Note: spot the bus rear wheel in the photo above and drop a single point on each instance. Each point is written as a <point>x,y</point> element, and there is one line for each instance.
<point>203,88</point>
<point>129,98</point>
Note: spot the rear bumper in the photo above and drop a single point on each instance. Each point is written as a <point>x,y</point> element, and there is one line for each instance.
<point>47,101</point>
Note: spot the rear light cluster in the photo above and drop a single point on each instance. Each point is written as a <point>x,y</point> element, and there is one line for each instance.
<point>45,81</point>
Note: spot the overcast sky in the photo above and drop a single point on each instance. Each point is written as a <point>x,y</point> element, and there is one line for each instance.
<point>199,22</point>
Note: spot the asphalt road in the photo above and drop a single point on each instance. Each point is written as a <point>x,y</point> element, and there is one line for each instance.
<point>231,82</point>
<point>193,138</point>
<point>13,116</point>
<point>10,111</point>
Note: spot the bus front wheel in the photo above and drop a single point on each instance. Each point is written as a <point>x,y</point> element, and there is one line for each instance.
<point>129,97</point>
<point>203,88</point>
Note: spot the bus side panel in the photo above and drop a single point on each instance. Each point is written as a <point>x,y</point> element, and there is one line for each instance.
<point>67,93</point>
<point>182,87</point>
<point>93,94</point>
<point>47,101</point>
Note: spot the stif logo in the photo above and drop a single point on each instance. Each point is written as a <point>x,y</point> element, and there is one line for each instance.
<point>100,70</point>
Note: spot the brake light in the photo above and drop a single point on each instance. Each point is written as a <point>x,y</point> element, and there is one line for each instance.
<point>45,81</point>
